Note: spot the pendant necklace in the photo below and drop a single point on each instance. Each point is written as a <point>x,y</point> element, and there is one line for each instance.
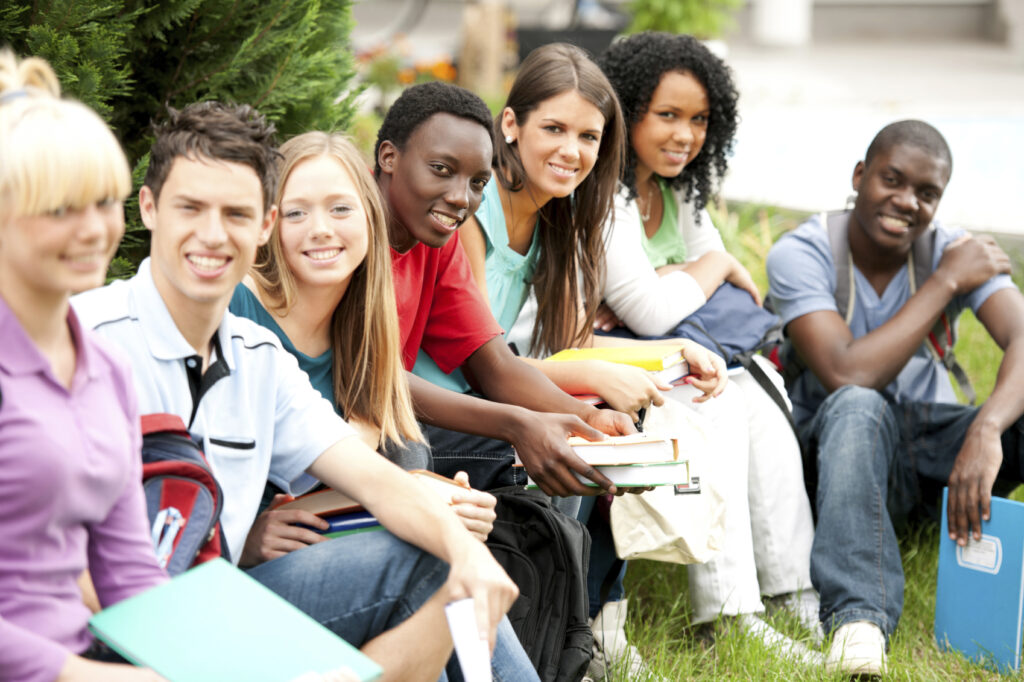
<point>646,215</point>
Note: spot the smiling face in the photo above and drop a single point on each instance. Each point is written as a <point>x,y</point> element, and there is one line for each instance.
<point>558,144</point>
<point>897,196</point>
<point>672,132</point>
<point>324,230</point>
<point>56,254</point>
<point>206,227</point>
<point>436,181</point>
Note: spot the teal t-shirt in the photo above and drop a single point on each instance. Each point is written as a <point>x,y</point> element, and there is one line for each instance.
<point>508,274</point>
<point>667,245</point>
<point>320,369</point>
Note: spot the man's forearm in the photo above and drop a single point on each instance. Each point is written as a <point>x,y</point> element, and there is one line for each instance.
<point>464,413</point>
<point>514,381</point>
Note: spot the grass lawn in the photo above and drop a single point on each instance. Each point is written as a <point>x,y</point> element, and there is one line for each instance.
<point>659,608</point>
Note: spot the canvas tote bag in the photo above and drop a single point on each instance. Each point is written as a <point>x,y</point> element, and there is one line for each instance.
<point>661,524</point>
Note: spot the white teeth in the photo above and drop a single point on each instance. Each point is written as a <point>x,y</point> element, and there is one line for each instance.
<point>207,262</point>
<point>323,254</point>
<point>676,156</point>
<point>894,223</point>
<point>564,172</point>
<point>445,220</point>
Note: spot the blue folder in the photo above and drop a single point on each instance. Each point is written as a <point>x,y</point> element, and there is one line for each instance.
<point>214,623</point>
<point>979,599</point>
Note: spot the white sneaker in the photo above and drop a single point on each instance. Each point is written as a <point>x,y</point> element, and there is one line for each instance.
<point>612,653</point>
<point>857,648</point>
<point>804,607</point>
<point>755,627</point>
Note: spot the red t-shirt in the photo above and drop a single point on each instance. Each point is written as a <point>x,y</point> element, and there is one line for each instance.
<point>440,308</point>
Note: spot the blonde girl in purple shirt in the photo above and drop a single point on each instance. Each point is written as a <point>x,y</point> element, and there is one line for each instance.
<point>70,497</point>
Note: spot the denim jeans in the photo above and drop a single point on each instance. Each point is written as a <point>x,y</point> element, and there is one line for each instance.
<point>875,461</point>
<point>361,585</point>
<point>602,558</point>
<point>487,461</point>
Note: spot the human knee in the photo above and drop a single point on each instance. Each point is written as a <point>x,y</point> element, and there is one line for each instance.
<point>856,431</point>
<point>854,400</point>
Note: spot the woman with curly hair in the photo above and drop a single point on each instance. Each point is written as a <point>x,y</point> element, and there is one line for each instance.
<point>664,261</point>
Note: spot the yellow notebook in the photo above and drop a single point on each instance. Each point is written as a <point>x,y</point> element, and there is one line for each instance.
<point>651,358</point>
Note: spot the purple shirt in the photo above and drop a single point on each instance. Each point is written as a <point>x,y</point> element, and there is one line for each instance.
<point>70,498</point>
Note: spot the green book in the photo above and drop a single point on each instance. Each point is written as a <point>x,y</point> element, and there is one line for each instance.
<point>215,623</point>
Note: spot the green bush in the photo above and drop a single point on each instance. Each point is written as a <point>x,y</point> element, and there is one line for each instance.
<point>128,59</point>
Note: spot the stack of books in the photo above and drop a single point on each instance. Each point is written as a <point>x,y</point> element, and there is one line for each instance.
<point>346,516</point>
<point>639,460</point>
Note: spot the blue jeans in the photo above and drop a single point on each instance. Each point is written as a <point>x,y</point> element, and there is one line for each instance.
<point>487,461</point>
<point>361,585</point>
<point>876,459</point>
<point>602,558</point>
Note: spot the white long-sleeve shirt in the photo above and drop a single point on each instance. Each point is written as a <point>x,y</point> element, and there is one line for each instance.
<point>646,303</point>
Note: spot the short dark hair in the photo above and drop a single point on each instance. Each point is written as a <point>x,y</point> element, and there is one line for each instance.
<point>913,133</point>
<point>635,66</point>
<point>422,101</point>
<point>226,132</point>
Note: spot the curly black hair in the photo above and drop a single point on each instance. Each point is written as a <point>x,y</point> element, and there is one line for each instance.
<point>419,103</point>
<point>635,66</point>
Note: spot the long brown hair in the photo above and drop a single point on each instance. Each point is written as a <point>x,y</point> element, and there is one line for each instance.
<point>369,378</point>
<point>572,245</point>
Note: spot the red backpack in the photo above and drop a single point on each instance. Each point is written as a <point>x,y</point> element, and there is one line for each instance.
<point>183,499</point>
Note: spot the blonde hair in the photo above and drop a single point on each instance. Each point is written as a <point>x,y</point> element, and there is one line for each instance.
<point>54,153</point>
<point>369,378</point>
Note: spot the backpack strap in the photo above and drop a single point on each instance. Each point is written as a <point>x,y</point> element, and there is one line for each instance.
<point>942,337</point>
<point>837,225</point>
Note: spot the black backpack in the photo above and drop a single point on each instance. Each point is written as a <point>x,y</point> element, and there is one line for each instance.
<point>546,553</point>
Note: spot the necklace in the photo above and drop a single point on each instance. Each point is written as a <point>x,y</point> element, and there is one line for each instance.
<point>646,215</point>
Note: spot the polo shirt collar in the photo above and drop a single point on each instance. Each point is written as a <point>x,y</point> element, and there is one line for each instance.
<point>163,338</point>
<point>20,354</point>
<point>22,357</point>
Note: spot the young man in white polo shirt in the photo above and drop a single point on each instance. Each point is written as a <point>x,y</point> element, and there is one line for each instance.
<point>206,201</point>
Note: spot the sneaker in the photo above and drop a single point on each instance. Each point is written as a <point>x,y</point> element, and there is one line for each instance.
<point>755,627</point>
<point>804,607</point>
<point>613,655</point>
<point>857,648</point>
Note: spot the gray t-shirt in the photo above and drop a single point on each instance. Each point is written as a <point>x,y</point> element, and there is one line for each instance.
<point>802,280</point>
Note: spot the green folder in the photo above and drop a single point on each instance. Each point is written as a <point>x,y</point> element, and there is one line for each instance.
<point>215,623</point>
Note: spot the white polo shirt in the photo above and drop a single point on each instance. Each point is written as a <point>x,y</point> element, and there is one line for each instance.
<point>254,411</point>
